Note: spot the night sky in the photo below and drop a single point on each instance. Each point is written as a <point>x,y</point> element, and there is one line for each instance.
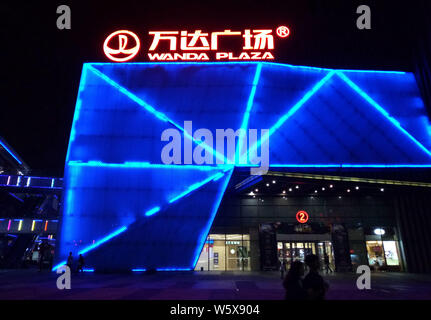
<point>42,65</point>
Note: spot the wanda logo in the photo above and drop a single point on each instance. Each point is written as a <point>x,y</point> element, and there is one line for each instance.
<point>121,45</point>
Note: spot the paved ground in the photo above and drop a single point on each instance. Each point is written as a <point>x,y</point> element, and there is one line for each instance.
<point>31,284</point>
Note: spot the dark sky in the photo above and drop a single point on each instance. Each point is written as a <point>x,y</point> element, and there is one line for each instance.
<point>41,65</point>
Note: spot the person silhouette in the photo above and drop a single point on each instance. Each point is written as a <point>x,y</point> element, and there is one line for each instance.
<point>292,283</point>
<point>70,260</point>
<point>81,263</point>
<point>327,265</point>
<point>314,284</point>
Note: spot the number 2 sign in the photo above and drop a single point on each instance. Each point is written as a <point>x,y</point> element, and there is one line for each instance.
<point>302,216</point>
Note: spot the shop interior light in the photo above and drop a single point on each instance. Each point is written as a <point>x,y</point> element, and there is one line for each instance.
<point>379,231</point>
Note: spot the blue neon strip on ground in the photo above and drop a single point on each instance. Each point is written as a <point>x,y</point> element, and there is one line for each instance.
<point>103,240</point>
<point>139,270</point>
<point>10,152</point>
<point>152,211</point>
<point>381,110</point>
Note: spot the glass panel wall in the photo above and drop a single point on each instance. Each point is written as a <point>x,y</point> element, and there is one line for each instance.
<point>225,252</point>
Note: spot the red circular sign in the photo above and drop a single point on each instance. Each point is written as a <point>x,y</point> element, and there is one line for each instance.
<point>283,31</point>
<point>123,51</point>
<point>302,216</point>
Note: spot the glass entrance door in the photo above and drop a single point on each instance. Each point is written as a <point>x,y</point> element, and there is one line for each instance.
<point>297,251</point>
<point>293,251</point>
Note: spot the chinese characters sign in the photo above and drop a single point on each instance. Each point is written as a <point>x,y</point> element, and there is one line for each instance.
<point>197,45</point>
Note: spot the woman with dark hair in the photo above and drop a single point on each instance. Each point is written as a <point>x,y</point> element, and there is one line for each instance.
<point>292,283</point>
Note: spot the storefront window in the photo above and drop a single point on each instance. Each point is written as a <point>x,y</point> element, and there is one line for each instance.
<point>375,254</point>
<point>391,253</point>
<point>225,252</point>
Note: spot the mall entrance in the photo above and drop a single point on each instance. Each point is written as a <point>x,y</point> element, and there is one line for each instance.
<point>298,250</point>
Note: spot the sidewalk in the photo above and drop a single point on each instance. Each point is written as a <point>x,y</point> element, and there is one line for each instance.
<point>31,284</point>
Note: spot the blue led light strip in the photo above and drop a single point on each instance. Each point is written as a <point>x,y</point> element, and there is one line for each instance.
<point>242,63</point>
<point>152,211</point>
<point>146,165</point>
<point>103,240</point>
<point>10,152</point>
<point>381,110</point>
<point>158,114</point>
<point>350,165</point>
<point>206,230</point>
<point>293,109</point>
<point>197,185</point>
<point>95,245</point>
<point>246,118</point>
<point>78,106</point>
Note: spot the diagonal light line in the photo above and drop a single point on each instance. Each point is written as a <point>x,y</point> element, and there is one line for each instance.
<point>206,230</point>
<point>158,114</point>
<point>10,152</point>
<point>379,108</point>
<point>246,118</point>
<point>103,240</point>
<point>95,245</point>
<point>293,109</point>
<point>198,185</point>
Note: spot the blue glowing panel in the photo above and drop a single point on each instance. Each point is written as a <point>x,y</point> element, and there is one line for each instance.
<point>125,209</point>
<point>399,95</point>
<point>323,132</point>
<point>213,96</point>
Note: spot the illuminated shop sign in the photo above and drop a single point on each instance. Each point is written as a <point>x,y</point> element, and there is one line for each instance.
<point>197,45</point>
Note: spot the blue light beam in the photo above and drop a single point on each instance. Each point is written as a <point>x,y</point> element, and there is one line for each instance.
<point>382,111</point>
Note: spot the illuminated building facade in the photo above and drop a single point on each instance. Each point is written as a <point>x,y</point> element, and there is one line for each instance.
<point>124,209</point>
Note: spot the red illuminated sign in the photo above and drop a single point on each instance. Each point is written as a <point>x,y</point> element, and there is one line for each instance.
<point>302,216</point>
<point>256,44</point>
<point>123,51</point>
